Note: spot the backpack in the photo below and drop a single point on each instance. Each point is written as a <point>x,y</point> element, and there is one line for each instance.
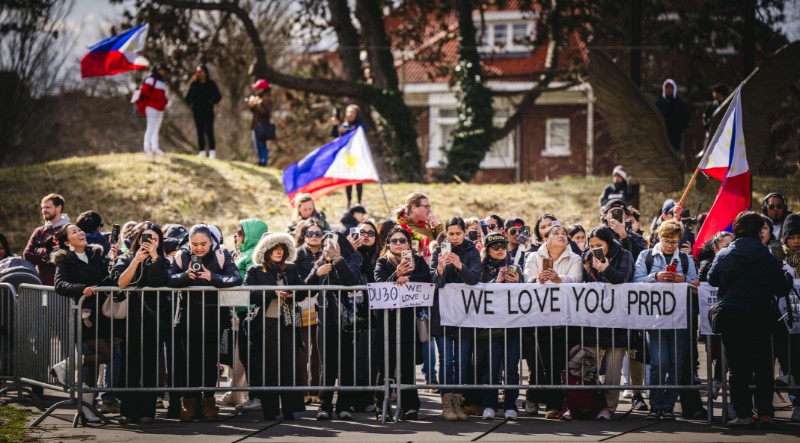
<point>648,261</point>
<point>218,253</point>
<point>583,404</point>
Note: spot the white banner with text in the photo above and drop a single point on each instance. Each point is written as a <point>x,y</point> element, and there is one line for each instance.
<point>516,305</point>
<point>408,295</point>
<point>708,296</point>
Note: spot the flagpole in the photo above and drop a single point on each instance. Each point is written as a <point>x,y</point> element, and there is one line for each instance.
<point>689,186</point>
<point>385,200</point>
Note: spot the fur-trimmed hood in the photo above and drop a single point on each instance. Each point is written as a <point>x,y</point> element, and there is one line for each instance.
<point>62,255</point>
<point>269,241</point>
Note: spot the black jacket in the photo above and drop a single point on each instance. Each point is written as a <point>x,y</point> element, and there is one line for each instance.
<point>619,270</point>
<point>619,191</point>
<point>470,274</point>
<point>73,275</point>
<point>203,96</point>
<point>676,117</point>
<point>385,271</point>
<point>368,263</point>
<point>143,306</point>
<point>257,276</point>
<point>305,260</point>
<point>748,278</point>
<point>226,276</point>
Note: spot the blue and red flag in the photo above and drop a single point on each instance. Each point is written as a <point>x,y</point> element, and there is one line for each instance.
<point>343,162</point>
<point>116,54</point>
<point>726,160</point>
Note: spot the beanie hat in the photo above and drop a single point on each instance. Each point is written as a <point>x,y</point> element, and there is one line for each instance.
<point>494,237</point>
<point>620,171</point>
<point>791,226</point>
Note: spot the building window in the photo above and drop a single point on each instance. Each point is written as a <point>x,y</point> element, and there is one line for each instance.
<point>443,122</point>
<point>515,36</point>
<point>501,35</point>
<point>557,138</point>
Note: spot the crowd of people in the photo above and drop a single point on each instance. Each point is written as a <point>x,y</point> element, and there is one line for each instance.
<point>334,340</point>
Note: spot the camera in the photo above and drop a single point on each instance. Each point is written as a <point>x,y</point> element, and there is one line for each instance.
<point>146,237</point>
<point>196,263</point>
<point>472,235</point>
<point>598,254</point>
<point>524,235</point>
<point>408,255</point>
<point>115,229</point>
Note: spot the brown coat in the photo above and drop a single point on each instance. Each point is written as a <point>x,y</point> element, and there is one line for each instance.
<point>261,111</point>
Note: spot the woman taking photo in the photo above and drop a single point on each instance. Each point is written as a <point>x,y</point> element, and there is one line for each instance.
<point>612,265</point>
<point>200,319</point>
<point>308,240</point>
<point>368,246</point>
<point>553,262</point>
<point>502,346</point>
<point>80,269</point>
<point>144,265</point>
<point>269,332</point>
<point>392,267</point>
<point>304,209</point>
<point>461,265</point>
<point>749,278</point>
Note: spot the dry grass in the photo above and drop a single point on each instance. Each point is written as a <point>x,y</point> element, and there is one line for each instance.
<point>186,189</point>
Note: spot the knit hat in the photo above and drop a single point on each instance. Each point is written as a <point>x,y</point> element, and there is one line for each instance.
<point>494,237</point>
<point>791,226</point>
<point>620,171</point>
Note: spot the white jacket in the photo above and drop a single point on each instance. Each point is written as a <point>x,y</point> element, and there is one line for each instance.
<point>568,265</point>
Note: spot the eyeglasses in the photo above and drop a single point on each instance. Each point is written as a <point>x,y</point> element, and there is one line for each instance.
<point>368,233</point>
<point>491,226</point>
<point>498,246</point>
<point>398,241</point>
<point>775,206</point>
<point>670,243</point>
<point>317,234</point>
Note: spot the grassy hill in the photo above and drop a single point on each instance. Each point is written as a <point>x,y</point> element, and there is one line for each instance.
<point>187,190</point>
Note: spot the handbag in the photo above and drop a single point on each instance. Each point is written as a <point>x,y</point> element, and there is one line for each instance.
<point>310,317</point>
<point>291,317</point>
<point>715,318</point>
<point>114,309</point>
<point>265,131</point>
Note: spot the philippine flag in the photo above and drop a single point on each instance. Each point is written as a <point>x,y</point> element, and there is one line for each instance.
<point>116,54</point>
<point>343,162</point>
<point>726,160</point>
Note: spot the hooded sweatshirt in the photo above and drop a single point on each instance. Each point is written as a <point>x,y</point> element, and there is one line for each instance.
<point>41,244</point>
<point>675,112</point>
<point>253,230</point>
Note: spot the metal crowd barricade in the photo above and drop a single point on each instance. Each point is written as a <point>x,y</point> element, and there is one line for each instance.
<point>8,301</point>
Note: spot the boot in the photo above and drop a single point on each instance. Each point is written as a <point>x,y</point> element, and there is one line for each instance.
<point>212,153</point>
<point>201,153</point>
<point>59,371</point>
<point>458,408</point>
<point>448,413</point>
<point>209,409</point>
<point>88,398</point>
<point>188,407</point>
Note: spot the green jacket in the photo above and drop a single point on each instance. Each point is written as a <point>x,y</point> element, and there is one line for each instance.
<point>253,230</point>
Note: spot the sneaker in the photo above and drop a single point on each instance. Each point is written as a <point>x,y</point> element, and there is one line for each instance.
<point>795,414</point>
<point>531,408</point>
<point>739,422</point>
<point>158,152</point>
<point>567,415</point>
<point>201,154</point>
<point>604,415</point>
<point>159,404</point>
<point>488,414</point>
<point>638,403</point>
<point>227,399</point>
<point>784,380</point>
<point>668,414</point>
<point>411,414</point>
<point>109,408</point>
<point>59,372</point>
<point>551,414</point>
<point>345,415</point>
<point>370,407</point>
<point>212,153</point>
<point>654,414</point>
<point>146,420</point>
<point>627,393</point>
<point>765,422</point>
<point>511,414</point>
<point>249,405</point>
<point>323,415</point>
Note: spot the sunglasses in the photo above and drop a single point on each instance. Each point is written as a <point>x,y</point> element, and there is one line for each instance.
<point>775,206</point>
<point>491,226</point>
<point>317,234</point>
<point>398,241</point>
<point>514,231</point>
<point>367,233</point>
<point>498,246</point>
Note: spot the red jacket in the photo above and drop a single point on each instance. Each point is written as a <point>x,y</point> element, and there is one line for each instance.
<point>152,94</point>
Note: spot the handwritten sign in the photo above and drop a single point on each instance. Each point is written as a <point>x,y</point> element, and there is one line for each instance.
<point>391,296</point>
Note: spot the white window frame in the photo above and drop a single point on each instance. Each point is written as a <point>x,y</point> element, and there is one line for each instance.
<point>561,150</point>
<point>488,44</point>
<point>436,157</point>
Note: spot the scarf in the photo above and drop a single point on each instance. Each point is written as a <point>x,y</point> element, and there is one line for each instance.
<point>793,259</point>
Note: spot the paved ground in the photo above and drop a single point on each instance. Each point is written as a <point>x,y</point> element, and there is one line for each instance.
<point>249,428</point>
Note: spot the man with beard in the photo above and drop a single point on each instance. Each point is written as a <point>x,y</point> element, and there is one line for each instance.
<point>42,243</point>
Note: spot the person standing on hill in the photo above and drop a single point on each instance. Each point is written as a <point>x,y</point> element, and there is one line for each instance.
<point>352,121</point>
<point>43,243</point>
<point>151,103</point>
<point>202,96</point>
<point>675,114</point>
<point>260,105</point>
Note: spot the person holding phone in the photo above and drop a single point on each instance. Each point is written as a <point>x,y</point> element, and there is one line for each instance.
<point>475,232</point>
<point>456,260</point>
<point>613,215</point>
<point>500,348</point>
<point>607,262</point>
<point>400,265</point>
<point>206,264</point>
<point>144,265</point>
<point>553,262</point>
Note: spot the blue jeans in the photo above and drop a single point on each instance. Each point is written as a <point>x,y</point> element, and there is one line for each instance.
<point>667,350</point>
<point>503,357</point>
<point>261,150</point>
<point>428,362</point>
<point>453,358</point>
<point>111,374</point>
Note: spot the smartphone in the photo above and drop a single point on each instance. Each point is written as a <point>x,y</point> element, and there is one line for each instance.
<point>354,233</point>
<point>547,263</point>
<point>336,114</point>
<point>408,255</point>
<point>146,237</point>
<point>444,248</point>
<point>115,229</point>
<point>472,235</point>
<point>598,254</point>
<point>415,245</point>
<point>514,269</point>
<point>617,214</point>
<point>524,235</point>
<point>484,227</point>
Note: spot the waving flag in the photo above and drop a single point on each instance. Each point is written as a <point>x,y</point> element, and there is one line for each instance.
<point>343,162</point>
<point>116,54</point>
<point>726,160</point>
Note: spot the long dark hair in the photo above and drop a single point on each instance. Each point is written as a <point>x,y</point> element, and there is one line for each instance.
<point>270,265</point>
<point>61,235</point>
<point>378,246</point>
<point>136,237</point>
<point>540,238</point>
